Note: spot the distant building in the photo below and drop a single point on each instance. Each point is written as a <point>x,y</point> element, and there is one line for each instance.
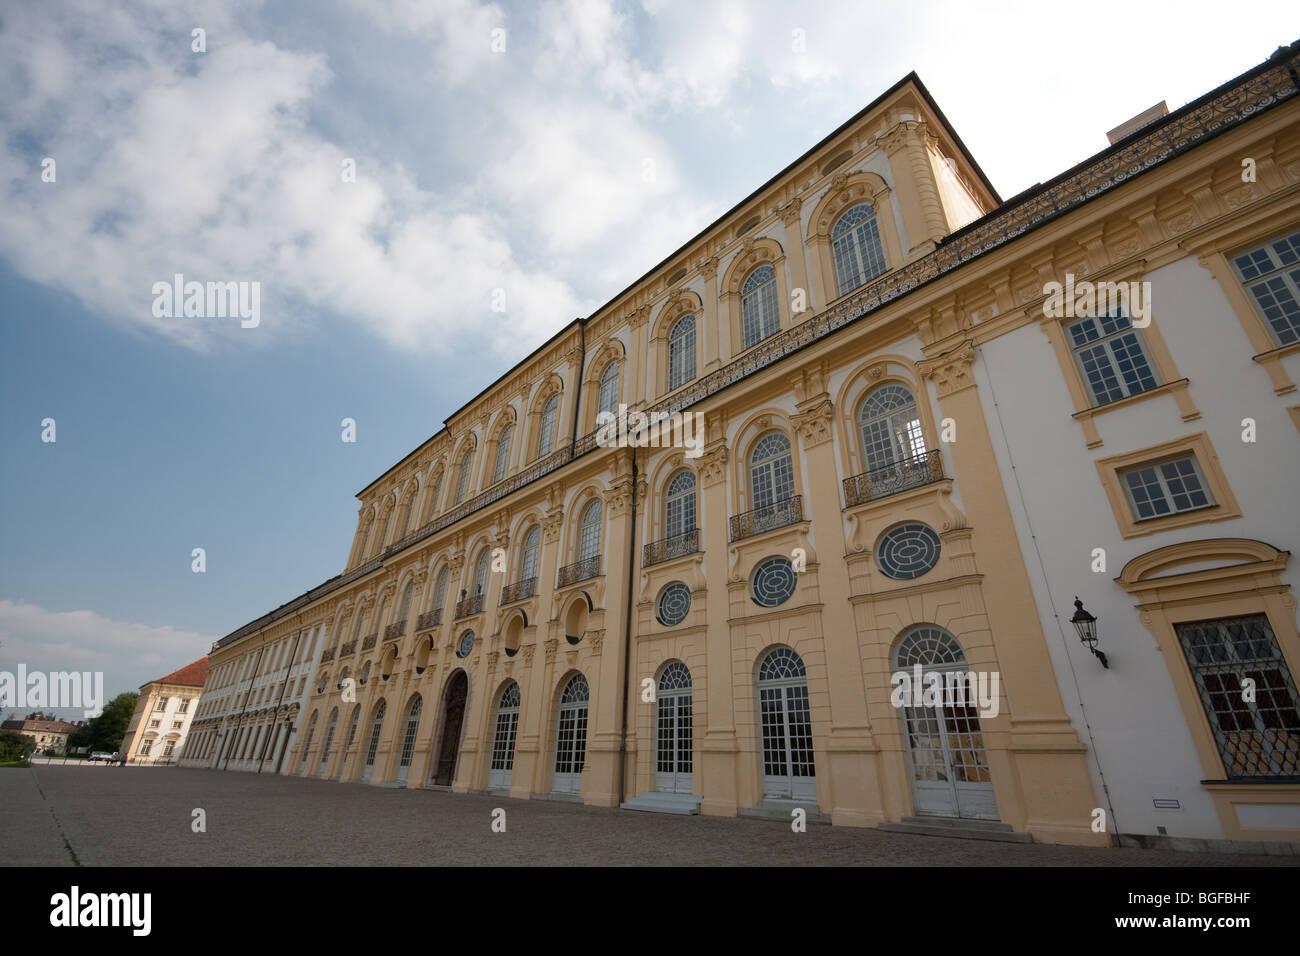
<point>50,734</point>
<point>163,713</point>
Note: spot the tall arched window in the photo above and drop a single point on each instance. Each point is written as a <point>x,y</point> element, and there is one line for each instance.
<point>481,570</point>
<point>758,308</point>
<point>786,723</point>
<point>383,531</point>
<point>889,426</point>
<point>404,522</point>
<point>855,241</point>
<point>405,608</point>
<point>589,531</point>
<point>376,726</point>
<point>306,742</point>
<point>434,495</point>
<point>532,545</point>
<point>609,389</point>
<point>681,351</point>
<point>462,480</point>
<point>408,737</point>
<point>503,737</point>
<point>329,739</point>
<point>546,427</point>
<point>679,504</point>
<point>352,727</point>
<point>571,736</point>
<point>503,453</point>
<point>440,589</point>
<point>356,624</point>
<point>771,470</point>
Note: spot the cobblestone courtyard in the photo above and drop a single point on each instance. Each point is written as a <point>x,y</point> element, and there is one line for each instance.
<point>97,815</point>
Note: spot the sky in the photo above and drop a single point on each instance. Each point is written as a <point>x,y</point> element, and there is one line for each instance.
<point>382,169</point>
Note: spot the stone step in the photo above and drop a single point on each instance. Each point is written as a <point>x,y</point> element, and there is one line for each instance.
<point>959,830</point>
<point>963,822</point>
<point>780,810</point>
<point>652,801</point>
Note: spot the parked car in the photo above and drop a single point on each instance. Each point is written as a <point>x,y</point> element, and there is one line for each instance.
<point>101,755</point>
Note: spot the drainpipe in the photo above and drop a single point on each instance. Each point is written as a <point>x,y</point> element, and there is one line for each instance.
<point>257,665</point>
<point>627,637</point>
<point>280,700</point>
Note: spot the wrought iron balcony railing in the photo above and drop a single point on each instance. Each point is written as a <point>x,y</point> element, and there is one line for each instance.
<point>368,641</point>
<point>665,549</point>
<point>395,630</point>
<point>348,648</point>
<point>468,606</point>
<point>519,590</point>
<point>891,479</point>
<point>578,571</point>
<point>776,515</point>
<point>429,619</point>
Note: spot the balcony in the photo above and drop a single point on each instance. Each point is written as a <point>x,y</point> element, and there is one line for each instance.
<point>773,516</point>
<point>579,571</point>
<point>893,478</point>
<point>519,590</point>
<point>469,606</point>
<point>429,619</point>
<point>665,549</point>
<point>395,630</point>
<point>369,641</point>
<point>348,648</point>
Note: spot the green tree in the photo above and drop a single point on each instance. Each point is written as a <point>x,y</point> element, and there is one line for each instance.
<point>106,731</point>
<point>14,746</point>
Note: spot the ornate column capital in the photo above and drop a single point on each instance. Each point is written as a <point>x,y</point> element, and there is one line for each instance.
<point>712,465</point>
<point>789,211</point>
<point>618,499</point>
<point>551,526</point>
<point>709,268</point>
<point>951,372</point>
<point>816,424</point>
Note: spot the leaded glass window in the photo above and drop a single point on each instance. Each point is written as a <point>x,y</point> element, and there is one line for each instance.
<point>773,582</point>
<point>674,604</point>
<point>907,551</point>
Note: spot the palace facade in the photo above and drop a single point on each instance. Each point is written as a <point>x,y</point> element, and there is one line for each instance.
<point>907,460</point>
<point>164,714</point>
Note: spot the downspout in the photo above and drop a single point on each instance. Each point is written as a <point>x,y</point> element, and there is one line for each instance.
<point>243,710</point>
<point>627,637</point>
<point>279,700</point>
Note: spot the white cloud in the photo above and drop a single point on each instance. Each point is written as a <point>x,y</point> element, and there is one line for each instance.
<point>128,654</point>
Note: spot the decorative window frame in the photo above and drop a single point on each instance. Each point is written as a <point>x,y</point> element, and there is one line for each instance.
<point>847,190</point>
<point>507,417</point>
<point>552,385</point>
<point>1225,503</point>
<point>755,252</point>
<point>611,350</point>
<point>684,302</point>
<point>1085,412</point>
<point>867,376</point>
<point>1249,581</point>
<point>749,433</point>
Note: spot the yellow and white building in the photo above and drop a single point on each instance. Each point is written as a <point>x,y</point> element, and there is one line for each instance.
<point>904,459</point>
<point>163,713</point>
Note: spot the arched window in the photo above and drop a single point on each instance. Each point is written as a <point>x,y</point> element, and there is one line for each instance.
<point>481,570</point>
<point>405,608</point>
<point>462,480</point>
<point>352,726</point>
<point>758,308</point>
<point>356,625</point>
<point>855,241</point>
<point>440,589</point>
<point>408,737</point>
<point>679,504</point>
<point>546,428</point>
<point>433,497</point>
<point>503,453</point>
<point>383,531</point>
<point>786,724</point>
<point>771,470</point>
<point>404,522</point>
<point>306,742</point>
<point>532,544</point>
<point>889,426</point>
<point>376,726</point>
<point>673,731</point>
<point>503,738</point>
<point>589,531</point>
<point>609,389</point>
<point>571,736</point>
<point>681,352</point>
<point>329,738</point>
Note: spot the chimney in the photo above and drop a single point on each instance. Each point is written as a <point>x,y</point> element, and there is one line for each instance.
<point>1145,118</point>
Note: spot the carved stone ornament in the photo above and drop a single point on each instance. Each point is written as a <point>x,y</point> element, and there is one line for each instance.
<point>951,372</point>
<point>815,425</point>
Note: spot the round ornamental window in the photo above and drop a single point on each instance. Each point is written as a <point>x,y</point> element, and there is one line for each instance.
<point>907,551</point>
<point>465,644</point>
<point>773,582</point>
<point>674,604</point>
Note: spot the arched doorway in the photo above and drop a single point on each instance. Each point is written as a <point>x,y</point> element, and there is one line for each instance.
<point>376,726</point>
<point>673,736</point>
<point>786,724</point>
<point>453,718</point>
<point>950,768</point>
<point>503,738</point>
<point>571,736</point>
<point>408,738</point>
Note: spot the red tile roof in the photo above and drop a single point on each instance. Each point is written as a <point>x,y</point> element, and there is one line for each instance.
<point>193,675</point>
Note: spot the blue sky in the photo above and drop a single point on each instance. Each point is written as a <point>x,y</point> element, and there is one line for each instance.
<point>523,169</point>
